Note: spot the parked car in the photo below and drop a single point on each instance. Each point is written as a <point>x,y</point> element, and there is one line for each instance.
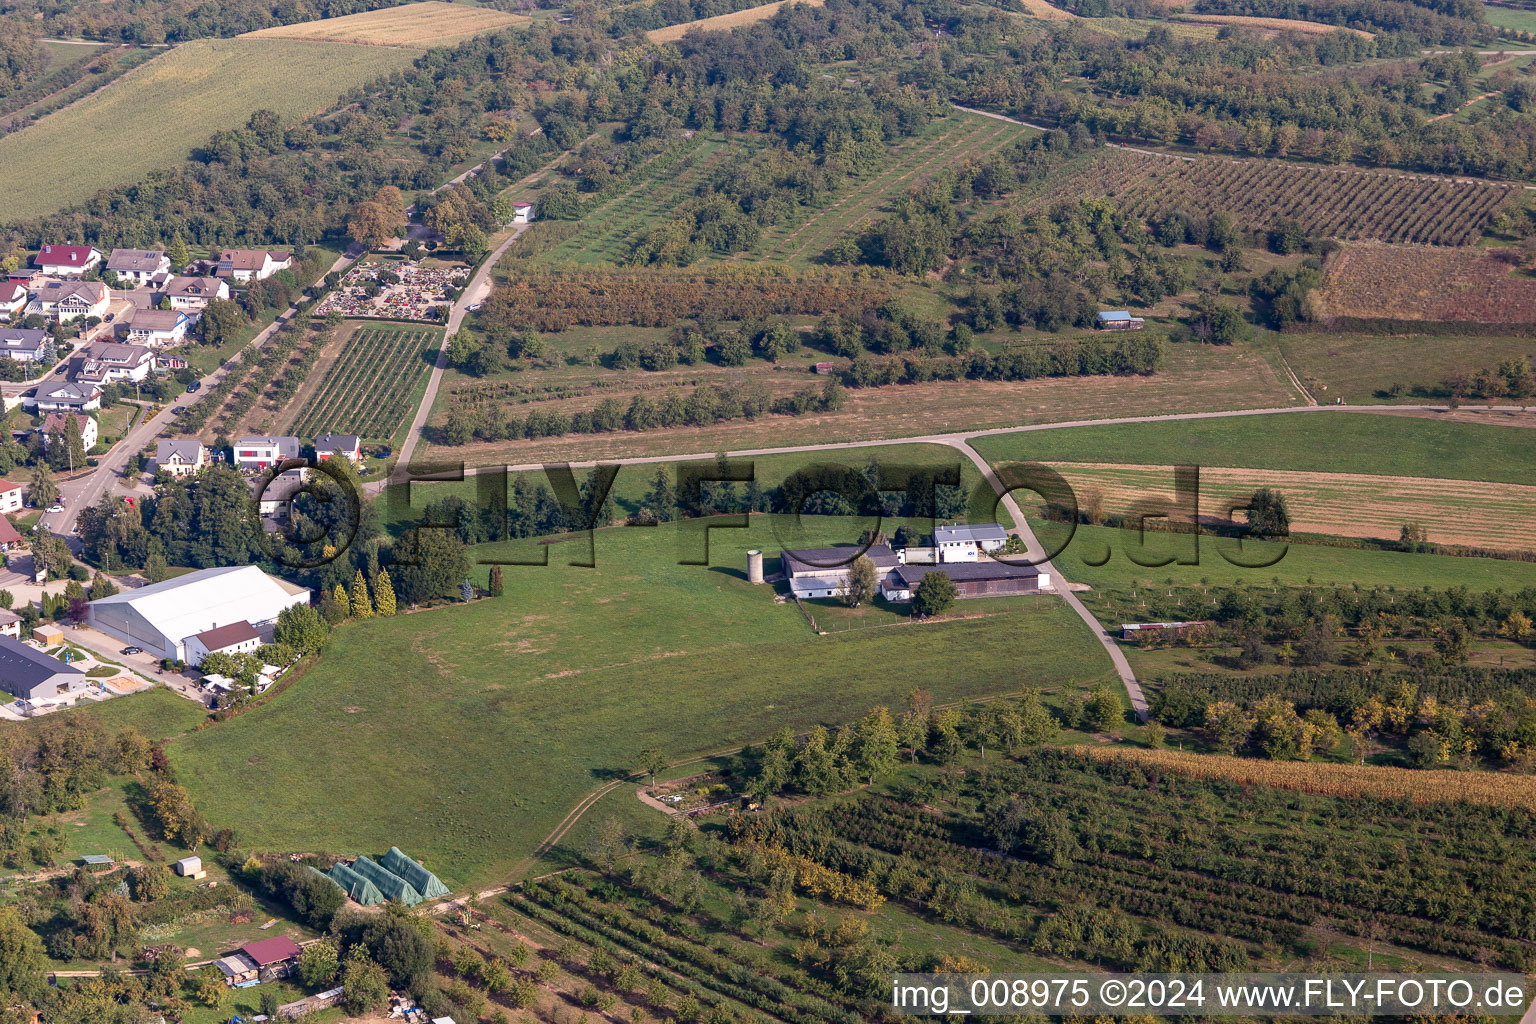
<point>108,318</point>
<point>60,368</point>
<point>131,650</point>
<point>194,386</point>
<point>178,410</point>
<point>55,508</point>
<point>473,307</point>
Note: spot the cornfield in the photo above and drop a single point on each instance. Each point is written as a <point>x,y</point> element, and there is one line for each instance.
<point>1258,194</point>
<point>1426,786</point>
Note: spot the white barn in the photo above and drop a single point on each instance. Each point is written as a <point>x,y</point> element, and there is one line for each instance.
<point>162,617</point>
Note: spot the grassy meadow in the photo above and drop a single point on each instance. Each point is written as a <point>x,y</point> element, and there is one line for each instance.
<point>1364,368</point>
<point>154,115</point>
<point>1314,442</point>
<point>465,734</point>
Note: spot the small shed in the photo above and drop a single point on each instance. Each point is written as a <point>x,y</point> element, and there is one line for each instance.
<point>96,860</point>
<point>822,367</point>
<point>48,634</point>
<point>1118,320</point>
<point>190,867</point>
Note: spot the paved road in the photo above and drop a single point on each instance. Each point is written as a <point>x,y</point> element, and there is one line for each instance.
<point>113,466</point>
<point>475,292</point>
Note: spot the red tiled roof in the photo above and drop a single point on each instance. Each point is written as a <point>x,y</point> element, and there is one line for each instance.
<point>271,951</point>
<point>63,256</point>
<point>8,534</point>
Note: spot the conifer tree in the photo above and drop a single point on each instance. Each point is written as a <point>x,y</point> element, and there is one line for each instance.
<point>383,594</point>
<point>362,608</point>
<point>498,582</point>
<point>340,600</point>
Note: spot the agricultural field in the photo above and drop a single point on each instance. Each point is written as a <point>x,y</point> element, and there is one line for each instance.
<point>1258,194</point>
<point>724,22</point>
<point>1402,282</point>
<point>154,115</point>
<point>1298,565</point>
<point>370,389</point>
<point>1311,442</point>
<point>1521,20</point>
<point>1270,25</point>
<point>466,733</point>
<point>430,23</point>
<point>1375,368</point>
<point>1500,517</point>
<point>1046,11</point>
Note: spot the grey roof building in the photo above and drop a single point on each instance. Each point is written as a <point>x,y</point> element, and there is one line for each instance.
<point>30,674</point>
<point>983,533</point>
<point>23,344</point>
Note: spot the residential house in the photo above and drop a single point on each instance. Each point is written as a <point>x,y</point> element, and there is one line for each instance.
<point>138,266</point>
<point>1118,320</point>
<point>274,497</point>
<point>168,362</point>
<point>235,638</point>
<point>158,328</point>
<point>522,213</point>
<point>968,543</point>
<point>9,538</point>
<point>180,458</point>
<point>30,674</point>
<point>25,345</point>
<point>71,300</point>
<point>107,361</point>
<point>13,297</point>
<point>10,622</point>
<point>67,260</point>
<point>823,572</point>
<point>251,264</point>
<point>55,423</point>
<point>191,295</point>
<point>329,445</point>
<point>65,396</point>
<point>255,454</point>
<point>971,579</point>
<point>10,497</point>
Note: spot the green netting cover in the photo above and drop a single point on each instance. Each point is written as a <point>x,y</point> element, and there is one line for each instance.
<point>359,888</point>
<point>390,884</point>
<point>422,880</point>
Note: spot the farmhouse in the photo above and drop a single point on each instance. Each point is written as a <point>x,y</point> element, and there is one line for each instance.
<point>331,445</point>
<point>971,579</point>
<point>1118,320</point>
<point>162,617</point>
<point>968,543</point>
<point>30,674</point>
<point>10,497</point>
<point>65,396</point>
<point>251,264</point>
<point>13,297</point>
<point>180,458</point>
<point>56,424</point>
<point>67,260</point>
<point>255,454</point>
<point>236,638</point>
<point>191,294</point>
<point>138,266</point>
<point>822,572</point>
<point>105,361</point>
<point>71,300</point>
<point>157,327</point>
<point>24,344</point>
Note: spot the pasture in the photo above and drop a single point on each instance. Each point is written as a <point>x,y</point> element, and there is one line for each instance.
<point>369,389</point>
<point>430,23</point>
<point>1415,282</point>
<point>466,733</point>
<point>153,116</point>
<point>724,22</point>
<point>1257,194</point>
<point>1315,442</point>
<point>1368,368</point>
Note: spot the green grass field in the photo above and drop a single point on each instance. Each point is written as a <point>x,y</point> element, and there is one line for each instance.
<point>1301,564</point>
<point>157,713</point>
<point>153,116</point>
<point>368,390</point>
<point>465,734</point>
<point>1319,442</point>
<point>1362,369</point>
<point>1508,17</point>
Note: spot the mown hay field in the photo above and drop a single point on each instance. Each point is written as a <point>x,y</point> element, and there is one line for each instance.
<point>1046,12</point>
<point>1412,282</point>
<point>1271,24</point>
<point>152,117</point>
<point>430,23</point>
<point>1495,789</point>
<point>1498,516</point>
<point>724,22</point>
<point>466,733</point>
